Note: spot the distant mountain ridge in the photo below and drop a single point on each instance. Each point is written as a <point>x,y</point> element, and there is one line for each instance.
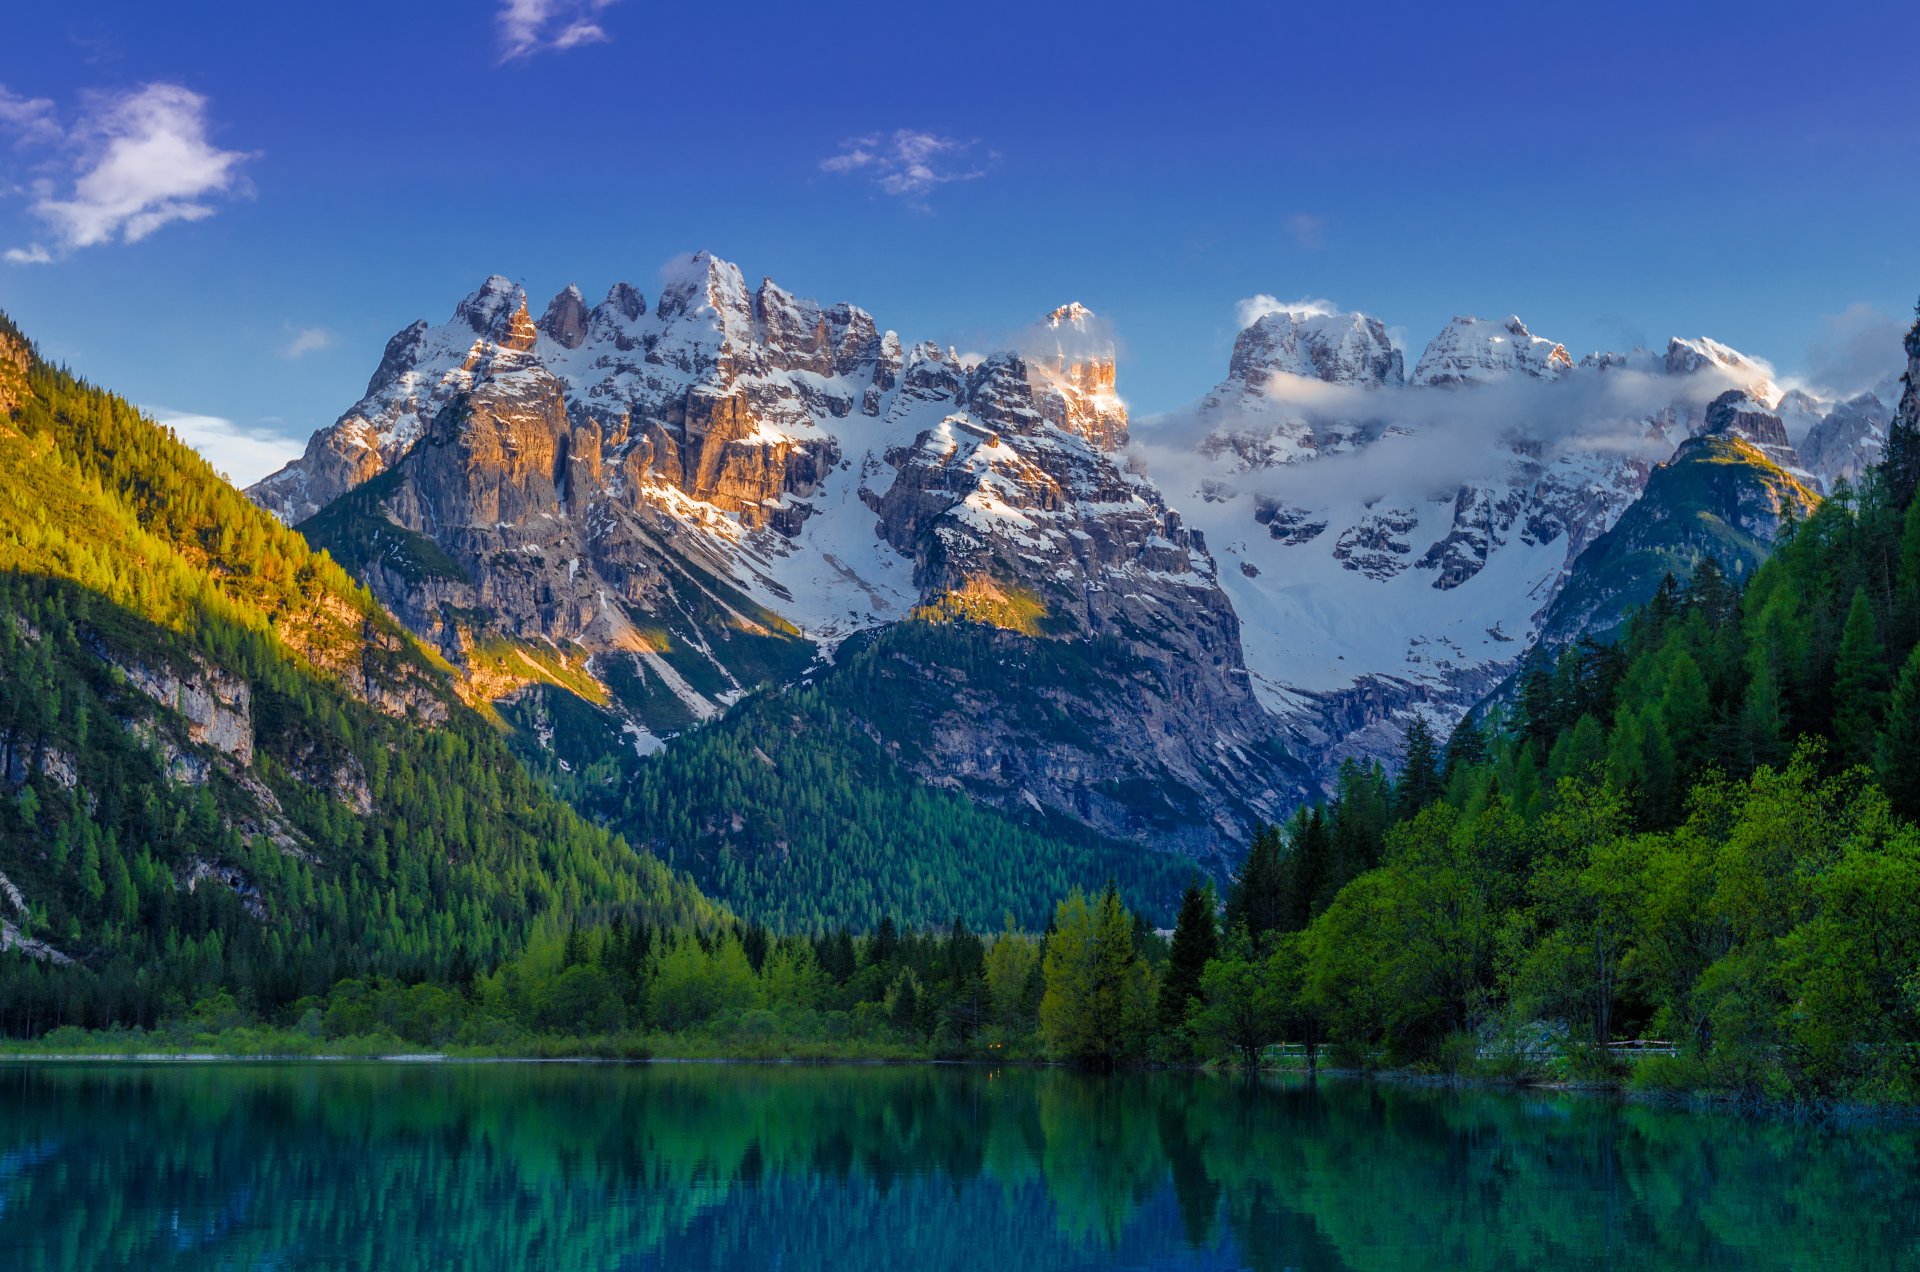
<point>658,509</point>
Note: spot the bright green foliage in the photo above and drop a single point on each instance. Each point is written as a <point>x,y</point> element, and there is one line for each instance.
<point>1099,993</point>
<point>1859,684</point>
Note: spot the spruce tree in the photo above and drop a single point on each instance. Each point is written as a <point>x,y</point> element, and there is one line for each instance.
<point>1258,898</point>
<point>1196,939</point>
<point>1419,783</point>
<point>1899,748</point>
<point>1466,746</point>
<point>1859,684</point>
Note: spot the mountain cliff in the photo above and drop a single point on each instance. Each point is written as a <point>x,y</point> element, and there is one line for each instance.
<point>223,766</point>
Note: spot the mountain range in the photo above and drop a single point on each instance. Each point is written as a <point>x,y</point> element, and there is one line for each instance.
<point>656,509</point>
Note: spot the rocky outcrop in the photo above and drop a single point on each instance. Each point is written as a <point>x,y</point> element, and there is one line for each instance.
<point>1847,440</point>
<point>216,705</point>
<point>1394,550</point>
<point>14,359</point>
<point>1338,348</point>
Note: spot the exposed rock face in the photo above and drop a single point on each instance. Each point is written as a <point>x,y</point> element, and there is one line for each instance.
<point>217,706</point>
<point>1723,495</point>
<point>1338,348</point>
<point>657,510</point>
<point>14,358</point>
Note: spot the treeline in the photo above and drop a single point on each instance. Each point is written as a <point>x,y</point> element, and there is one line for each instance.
<point>149,868</point>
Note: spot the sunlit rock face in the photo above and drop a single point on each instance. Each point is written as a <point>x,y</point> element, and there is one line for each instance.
<point>661,507</point>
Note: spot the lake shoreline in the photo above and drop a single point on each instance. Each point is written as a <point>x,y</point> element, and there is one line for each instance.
<point>1835,1114</point>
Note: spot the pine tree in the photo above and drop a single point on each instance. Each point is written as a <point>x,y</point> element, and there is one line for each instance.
<point>1257,899</point>
<point>1196,939</point>
<point>1466,746</point>
<point>1419,783</point>
<point>1899,747</point>
<point>1859,684</point>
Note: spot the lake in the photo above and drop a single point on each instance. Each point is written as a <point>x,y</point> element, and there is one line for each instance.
<point>287,1165</point>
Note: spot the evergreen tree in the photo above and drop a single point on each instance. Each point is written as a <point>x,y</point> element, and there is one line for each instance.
<point>1196,939</point>
<point>1859,684</point>
<point>1899,747</point>
<point>1419,783</point>
<point>1257,898</point>
<point>1466,746</point>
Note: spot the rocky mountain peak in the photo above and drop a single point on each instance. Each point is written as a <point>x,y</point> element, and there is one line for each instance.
<point>565,322</point>
<point>1339,348</point>
<point>1687,357</point>
<point>625,300</point>
<point>1474,350</point>
<point>1737,413</point>
<point>1072,360</point>
<point>402,352</point>
<point>498,312</point>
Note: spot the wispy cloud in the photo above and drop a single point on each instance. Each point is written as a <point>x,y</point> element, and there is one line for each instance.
<point>307,340</point>
<point>1428,440</point>
<point>906,163</point>
<point>29,120</point>
<point>528,27</point>
<point>1254,308</point>
<point>1309,232</point>
<point>139,160</point>
<point>1857,349</point>
<point>244,454</point>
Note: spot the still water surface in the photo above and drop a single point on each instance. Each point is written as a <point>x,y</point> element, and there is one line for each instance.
<point>500,1167</point>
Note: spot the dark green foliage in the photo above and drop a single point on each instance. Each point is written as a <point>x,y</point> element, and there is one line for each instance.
<point>1419,782</point>
<point>1196,939</point>
<point>791,811</point>
<point>1258,900</point>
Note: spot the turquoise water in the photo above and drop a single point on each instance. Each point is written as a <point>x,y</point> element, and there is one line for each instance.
<point>917,1169</point>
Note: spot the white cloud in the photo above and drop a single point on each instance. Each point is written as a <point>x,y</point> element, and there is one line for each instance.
<point>244,454</point>
<point>1857,350</point>
<point>307,340</point>
<point>1254,308</point>
<point>528,27</point>
<point>141,160</point>
<point>1427,439</point>
<point>905,163</point>
<point>30,119</point>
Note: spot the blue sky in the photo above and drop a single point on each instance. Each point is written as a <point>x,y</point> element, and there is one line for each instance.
<point>238,204</point>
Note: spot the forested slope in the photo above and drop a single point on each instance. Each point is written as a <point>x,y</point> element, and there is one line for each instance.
<point>221,765</point>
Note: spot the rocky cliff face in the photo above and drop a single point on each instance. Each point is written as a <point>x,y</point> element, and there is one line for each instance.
<point>658,509</point>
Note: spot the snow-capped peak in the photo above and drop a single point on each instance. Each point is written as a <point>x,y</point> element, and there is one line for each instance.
<point>1316,343</point>
<point>1685,357</point>
<point>1476,350</point>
